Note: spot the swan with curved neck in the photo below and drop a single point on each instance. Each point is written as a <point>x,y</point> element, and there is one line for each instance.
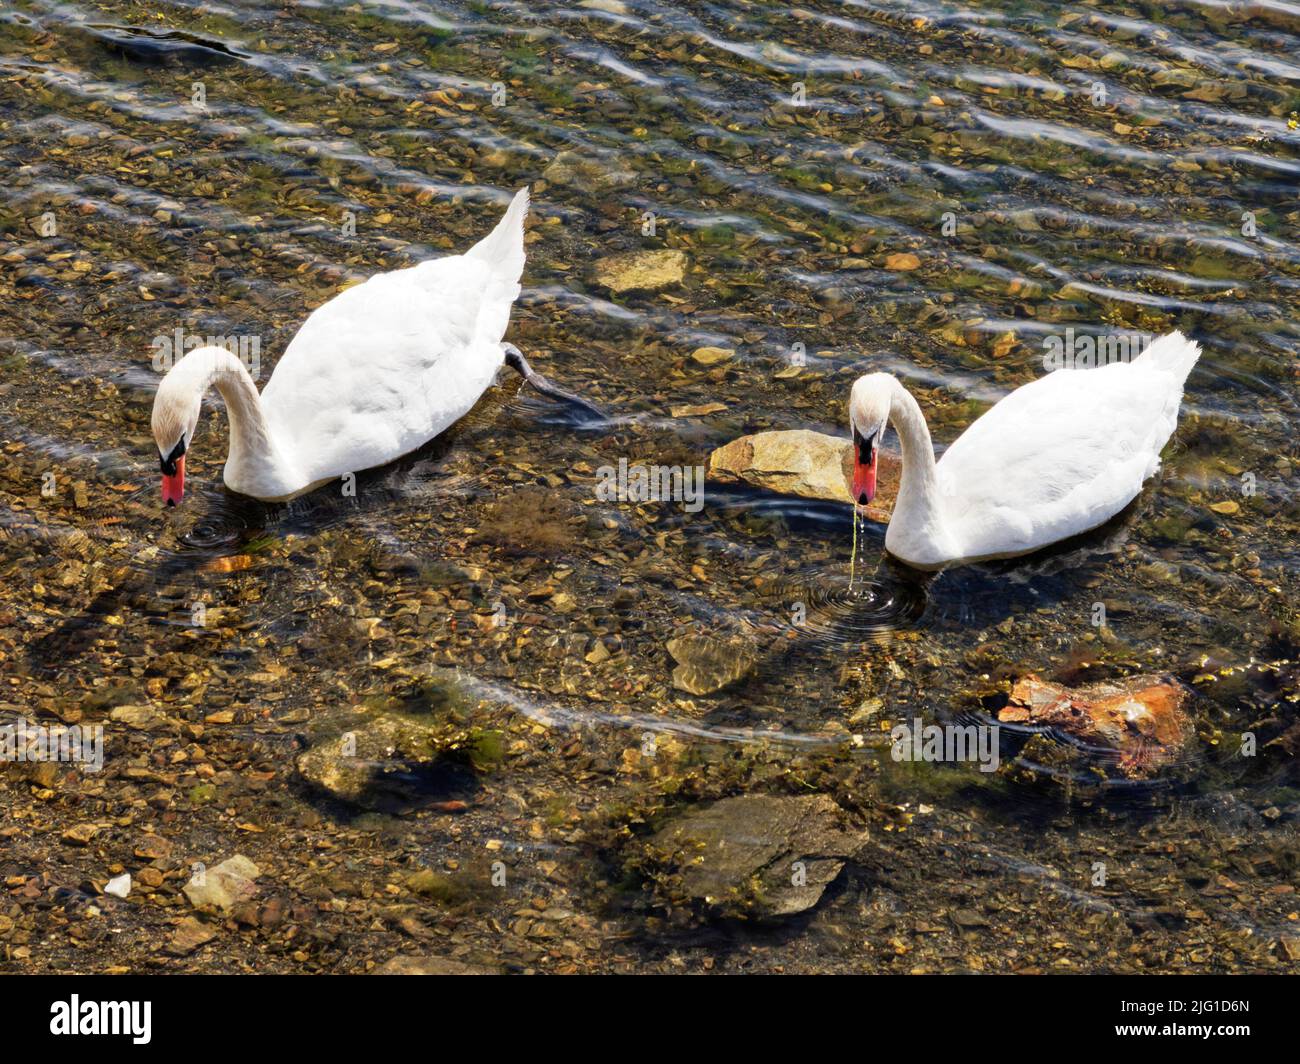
<point>1054,458</point>
<point>373,374</point>
<point>255,465</point>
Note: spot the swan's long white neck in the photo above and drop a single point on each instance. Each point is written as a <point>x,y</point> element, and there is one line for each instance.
<point>253,451</point>
<point>918,516</point>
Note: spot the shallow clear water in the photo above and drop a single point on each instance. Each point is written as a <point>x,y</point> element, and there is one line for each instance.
<point>1103,168</point>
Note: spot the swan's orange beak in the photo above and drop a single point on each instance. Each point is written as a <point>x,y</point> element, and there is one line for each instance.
<point>864,469</point>
<point>173,484</point>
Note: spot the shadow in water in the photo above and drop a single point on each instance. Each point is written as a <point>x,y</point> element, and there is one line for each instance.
<point>886,595</point>
<point>225,524</point>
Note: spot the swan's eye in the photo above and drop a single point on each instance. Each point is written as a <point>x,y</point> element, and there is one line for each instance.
<point>866,447</point>
<point>168,464</point>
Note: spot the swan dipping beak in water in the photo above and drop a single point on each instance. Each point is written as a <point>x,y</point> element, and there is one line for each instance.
<point>1057,457</point>
<point>372,375</point>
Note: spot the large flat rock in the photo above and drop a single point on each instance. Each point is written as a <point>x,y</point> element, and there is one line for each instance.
<point>811,465</point>
<point>754,855</point>
<point>1141,718</point>
<point>642,271</point>
<point>708,663</point>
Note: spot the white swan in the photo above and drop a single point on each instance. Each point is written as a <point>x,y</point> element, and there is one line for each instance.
<point>373,374</point>
<point>1058,456</point>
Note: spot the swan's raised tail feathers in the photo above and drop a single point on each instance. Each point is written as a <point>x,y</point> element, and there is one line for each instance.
<point>1173,353</point>
<point>503,248</point>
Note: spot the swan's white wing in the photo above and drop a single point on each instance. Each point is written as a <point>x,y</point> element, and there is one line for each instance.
<point>384,366</point>
<point>1060,455</point>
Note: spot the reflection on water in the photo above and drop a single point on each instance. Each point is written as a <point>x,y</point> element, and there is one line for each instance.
<point>937,191</point>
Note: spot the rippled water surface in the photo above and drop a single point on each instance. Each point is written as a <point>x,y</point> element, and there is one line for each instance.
<point>931,189</point>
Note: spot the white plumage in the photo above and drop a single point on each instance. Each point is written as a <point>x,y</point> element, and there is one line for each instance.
<point>373,374</point>
<point>1057,457</point>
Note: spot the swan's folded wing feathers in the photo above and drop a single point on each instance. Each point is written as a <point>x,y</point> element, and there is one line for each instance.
<point>1059,455</point>
<point>376,367</point>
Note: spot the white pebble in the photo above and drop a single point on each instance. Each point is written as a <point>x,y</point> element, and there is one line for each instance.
<point>120,886</point>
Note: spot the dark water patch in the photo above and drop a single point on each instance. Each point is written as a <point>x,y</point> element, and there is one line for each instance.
<point>160,47</point>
